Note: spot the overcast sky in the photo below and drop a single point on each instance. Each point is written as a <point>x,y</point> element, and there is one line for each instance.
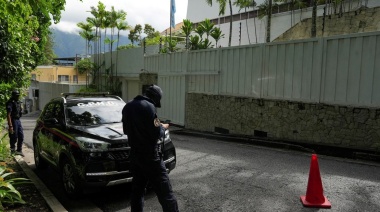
<point>153,12</point>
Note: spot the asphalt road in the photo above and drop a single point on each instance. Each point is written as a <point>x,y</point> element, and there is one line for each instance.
<point>214,175</point>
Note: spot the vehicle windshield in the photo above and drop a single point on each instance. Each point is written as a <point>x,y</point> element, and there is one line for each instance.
<point>90,112</point>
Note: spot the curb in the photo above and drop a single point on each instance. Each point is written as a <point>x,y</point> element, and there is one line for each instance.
<point>49,197</point>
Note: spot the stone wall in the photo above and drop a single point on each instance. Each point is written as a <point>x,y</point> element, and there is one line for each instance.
<point>342,126</point>
<point>147,79</point>
<point>361,20</point>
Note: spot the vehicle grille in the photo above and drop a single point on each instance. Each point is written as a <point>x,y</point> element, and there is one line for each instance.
<point>118,155</point>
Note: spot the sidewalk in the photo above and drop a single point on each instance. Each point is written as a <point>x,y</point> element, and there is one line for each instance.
<point>25,163</point>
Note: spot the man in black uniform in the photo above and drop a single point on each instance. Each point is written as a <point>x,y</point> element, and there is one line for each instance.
<point>143,128</point>
<point>14,112</point>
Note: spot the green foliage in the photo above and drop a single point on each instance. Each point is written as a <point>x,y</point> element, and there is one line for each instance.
<point>207,28</point>
<point>217,35</point>
<point>195,42</point>
<point>129,46</point>
<point>133,36</point>
<point>150,32</point>
<point>24,30</point>
<point>245,3</point>
<point>172,43</point>
<point>187,27</point>
<point>8,192</point>
<point>222,10</point>
<point>5,93</point>
<point>89,89</point>
<point>85,66</point>
<point>153,41</point>
<point>49,54</point>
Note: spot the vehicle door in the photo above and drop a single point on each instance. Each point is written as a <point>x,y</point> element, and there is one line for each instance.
<point>60,135</point>
<point>45,135</point>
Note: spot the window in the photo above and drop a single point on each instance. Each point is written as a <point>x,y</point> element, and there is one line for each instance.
<point>48,113</point>
<point>75,78</point>
<point>34,77</point>
<point>63,78</point>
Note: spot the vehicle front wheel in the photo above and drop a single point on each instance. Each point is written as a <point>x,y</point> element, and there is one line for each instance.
<point>39,162</point>
<point>70,180</point>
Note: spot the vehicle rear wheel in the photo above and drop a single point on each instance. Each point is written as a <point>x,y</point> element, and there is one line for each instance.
<point>39,162</point>
<point>70,180</point>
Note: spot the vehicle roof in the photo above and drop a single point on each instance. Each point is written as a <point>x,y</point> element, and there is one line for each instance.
<point>73,97</point>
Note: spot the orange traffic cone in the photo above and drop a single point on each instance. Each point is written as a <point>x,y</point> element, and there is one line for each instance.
<point>314,193</point>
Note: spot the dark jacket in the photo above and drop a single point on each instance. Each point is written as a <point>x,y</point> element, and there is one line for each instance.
<point>139,124</point>
<point>14,107</point>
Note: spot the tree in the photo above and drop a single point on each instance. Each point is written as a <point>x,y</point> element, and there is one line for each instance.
<point>222,9</point>
<point>135,34</point>
<point>300,4</point>
<point>265,9</point>
<point>48,54</point>
<point>205,27</point>
<point>150,31</point>
<point>132,36</point>
<point>187,28</point>
<point>121,26</point>
<point>87,34</point>
<point>24,36</point>
<point>314,20</point>
<point>217,35</point>
<point>291,4</point>
<point>247,4</point>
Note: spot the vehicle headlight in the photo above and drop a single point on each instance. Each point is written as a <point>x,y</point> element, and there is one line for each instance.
<point>167,137</point>
<point>92,145</point>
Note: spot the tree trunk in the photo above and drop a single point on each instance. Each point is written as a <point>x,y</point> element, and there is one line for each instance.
<point>269,20</point>
<point>246,24</point>
<point>314,20</point>
<point>229,38</point>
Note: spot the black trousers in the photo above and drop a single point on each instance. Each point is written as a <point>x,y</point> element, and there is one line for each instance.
<point>17,136</point>
<point>148,168</point>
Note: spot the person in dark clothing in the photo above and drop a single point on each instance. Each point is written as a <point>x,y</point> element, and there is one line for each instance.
<point>143,128</point>
<point>16,132</point>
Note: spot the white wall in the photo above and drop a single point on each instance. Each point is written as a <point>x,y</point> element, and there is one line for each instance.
<point>199,10</point>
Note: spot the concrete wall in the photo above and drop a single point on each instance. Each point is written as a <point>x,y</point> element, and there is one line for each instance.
<point>361,20</point>
<point>343,126</point>
<point>253,30</point>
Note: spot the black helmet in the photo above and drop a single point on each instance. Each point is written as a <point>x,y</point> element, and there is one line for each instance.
<point>15,93</point>
<point>154,93</point>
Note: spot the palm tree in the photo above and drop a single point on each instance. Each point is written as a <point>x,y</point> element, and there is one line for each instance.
<point>222,9</point>
<point>86,33</point>
<point>291,3</point>
<point>121,26</point>
<point>265,9</point>
<point>207,26</point>
<point>300,4</point>
<point>114,17</point>
<point>95,21</point>
<point>217,35</point>
<point>187,28</point>
<point>247,4</point>
<point>314,20</point>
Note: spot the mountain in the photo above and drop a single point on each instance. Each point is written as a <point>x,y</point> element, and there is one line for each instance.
<point>69,44</point>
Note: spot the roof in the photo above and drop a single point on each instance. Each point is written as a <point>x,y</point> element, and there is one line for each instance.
<point>177,28</point>
<point>65,58</point>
